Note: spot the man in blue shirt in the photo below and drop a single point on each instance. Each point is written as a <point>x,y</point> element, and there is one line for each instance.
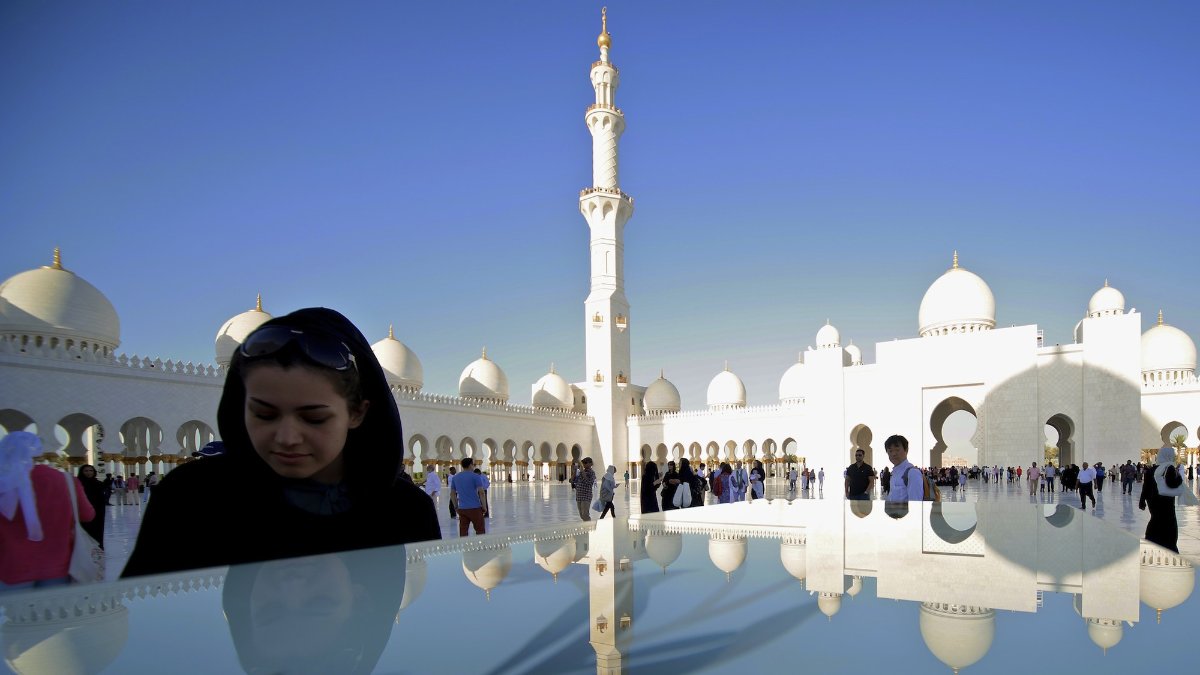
<point>467,487</point>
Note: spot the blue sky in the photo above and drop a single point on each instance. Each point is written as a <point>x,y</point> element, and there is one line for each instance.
<point>419,164</point>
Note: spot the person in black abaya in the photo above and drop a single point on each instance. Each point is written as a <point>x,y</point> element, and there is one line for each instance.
<point>650,482</point>
<point>1161,486</point>
<point>97,496</point>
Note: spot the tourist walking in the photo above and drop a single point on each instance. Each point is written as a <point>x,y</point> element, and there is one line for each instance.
<point>724,483</point>
<point>821,479</point>
<point>860,478</point>
<point>907,481</point>
<point>608,490</point>
<point>1085,480</point>
<point>94,489</point>
<point>583,482</point>
<point>433,484</point>
<point>740,481</point>
<point>1099,477</point>
<point>467,487</point>
<point>1033,476</point>
<point>651,480</point>
<point>1159,490</point>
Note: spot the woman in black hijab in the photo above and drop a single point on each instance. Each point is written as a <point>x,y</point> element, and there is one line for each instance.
<point>650,483</point>
<point>97,496</point>
<point>689,481</point>
<point>313,445</point>
<point>670,483</point>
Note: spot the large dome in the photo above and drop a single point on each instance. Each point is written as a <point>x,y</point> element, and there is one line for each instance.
<point>662,396</point>
<point>664,547</point>
<point>828,337</point>
<point>957,302</point>
<point>53,303</point>
<point>792,387</point>
<point>400,364</point>
<point>1107,301</point>
<point>958,635</point>
<point>1167,579</point>
<point>727,552</point>
<point>486,568</point>
<point>235,331</point>
<point>1167,348</point>
<point>484,380</point>
<point>554,555</point>
<point>726,390</point>
<point>552,391</point>
<point>794,556</point>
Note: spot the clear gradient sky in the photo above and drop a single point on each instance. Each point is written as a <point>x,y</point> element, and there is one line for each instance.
<point>419,164</point>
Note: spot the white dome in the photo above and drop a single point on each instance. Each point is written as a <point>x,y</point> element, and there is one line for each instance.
<point>483,379</point>
<point>235,331</point>
<point>662,396</point>
<point>554,555</point>
<point>957,302</point>
<point>726,390</point>
<point>552,391</point>
<point>1167,579</point>
<point>727,552</point>
<point>794,557</point>
<point>1107,301</point>
<point>828,337</point>
<point>792,387</point>
<point>1105,633</point>
<point>1167,348</point>
<point>664,547</point>
<point>416,572</point>
<point>829,603</point>
<point>400,364</point>
<point>53,302</point>
<point>854,354</point>
<point>958,635</point>
<point>488,567</point>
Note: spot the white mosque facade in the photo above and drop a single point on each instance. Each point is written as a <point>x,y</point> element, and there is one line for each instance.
<point>1113,392</point>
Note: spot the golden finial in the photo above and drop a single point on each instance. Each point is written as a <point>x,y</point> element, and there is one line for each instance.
<point>485,358</point>
<point>662,374</point>
<point>1106,282</point>
<point>552,367</point>
<point>1158,616</point>
<point>391,333</point>
<point>258,303</point>
<point>955,260</point>
<point>726,365</point>
<point>1160,321</point>
<point>605,40</point>
<point>57,264</point>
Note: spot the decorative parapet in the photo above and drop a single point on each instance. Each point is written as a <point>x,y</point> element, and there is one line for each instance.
<point>436,547</point>
<point>10,345</point>
<point>1166,379</point>
<point>608,191</point>
<point>606,64</point>
<point>604,106</point>
<point>407,394</point>
<point>723,413</point>
<point>795,535</point>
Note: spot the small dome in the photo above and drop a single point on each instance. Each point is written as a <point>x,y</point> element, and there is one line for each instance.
<point>854,354</point>
<point>400,364</point>
<point>483,379</point>
<point>829,603</point>
<point>662,396</point>
<point>726,390</point>
<point>794,557</point>
<point>552,391</point>
<point>727,552</point>
<point>1107,301</point>
<point>488,567</point>
<point>958,635</point>
<point>1167,579</point>
<point>664,547</point>
<point>828,337</point>
<point>1167,348</point>
<point>416,572</point>
<point>792,387</point>
<point>554,555</point>
<point>235,331</point>
<point>957,302</point>
<point>1105,633</point>
<point>53,302</point>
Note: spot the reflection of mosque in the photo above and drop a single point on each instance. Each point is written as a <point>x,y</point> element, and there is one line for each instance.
<point>935,556</point>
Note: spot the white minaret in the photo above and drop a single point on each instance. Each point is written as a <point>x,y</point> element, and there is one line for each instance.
<point>606,320</point>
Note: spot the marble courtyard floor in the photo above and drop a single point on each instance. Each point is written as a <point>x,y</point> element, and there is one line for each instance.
<point>522,506</point>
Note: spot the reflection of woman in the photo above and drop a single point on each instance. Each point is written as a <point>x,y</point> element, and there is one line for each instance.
<point>1159,490</point>
<point>322,614</point>
<point>649,489</point>
<point>311,428</point>
<point>96,496</point>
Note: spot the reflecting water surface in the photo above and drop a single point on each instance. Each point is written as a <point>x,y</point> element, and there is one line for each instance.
<point>826,586</point>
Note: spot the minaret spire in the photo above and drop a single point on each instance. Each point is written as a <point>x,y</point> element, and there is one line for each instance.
<point>955,265</point>
<point>57,264</point>
<point>258,303</point>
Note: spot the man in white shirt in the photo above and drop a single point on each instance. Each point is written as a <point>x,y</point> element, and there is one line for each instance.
<point>792,479</point>
<point>1087,479</point>
<point>433,484</point>
<point>1033,476</point>
<point>907,482</point>
<point>821,478</point>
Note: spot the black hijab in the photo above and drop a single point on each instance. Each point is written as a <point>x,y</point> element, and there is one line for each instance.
<point>374,450</point>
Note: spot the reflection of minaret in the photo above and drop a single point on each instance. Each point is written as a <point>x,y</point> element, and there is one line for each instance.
<point>610,584</point>
<point>606,317</point>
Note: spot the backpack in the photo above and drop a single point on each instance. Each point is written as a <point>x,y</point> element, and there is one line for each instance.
<point>932,493</point>
<point>718,485</point>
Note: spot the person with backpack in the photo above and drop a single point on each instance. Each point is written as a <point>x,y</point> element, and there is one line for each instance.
<point>907,481</point>
<point>722,483</point>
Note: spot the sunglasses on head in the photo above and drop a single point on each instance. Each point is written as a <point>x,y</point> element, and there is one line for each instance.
<point>322,349</point>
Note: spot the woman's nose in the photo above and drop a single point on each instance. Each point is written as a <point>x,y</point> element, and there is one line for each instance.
<point>288,432</point>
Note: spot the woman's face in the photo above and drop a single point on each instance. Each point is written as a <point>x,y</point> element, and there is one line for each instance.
<point>88,472</point>
<point>298,422</point>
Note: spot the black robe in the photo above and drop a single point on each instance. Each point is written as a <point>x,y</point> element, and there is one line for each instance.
<point>1163,528</point>
<point>649,491</point>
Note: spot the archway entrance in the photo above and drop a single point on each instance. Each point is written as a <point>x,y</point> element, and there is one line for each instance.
<point>1060,440</point>
<point>954,423</point>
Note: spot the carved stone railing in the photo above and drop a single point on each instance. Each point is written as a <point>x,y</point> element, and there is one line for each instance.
<point>406,394</point>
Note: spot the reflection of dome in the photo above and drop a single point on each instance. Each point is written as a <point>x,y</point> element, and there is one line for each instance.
<point>82,637</point>
<point>235,331</point>
<point>829,603</point>
<point>828,337</point>
<point>415,573</point>
<point>488,567</point>
<point>1107,301</point>
<point>727,552</point>
<point>957,302</point>
<point>854,354</point>
<point>662,396</point>
<point>794,557</point>
<point>552,391</point>
<point>1167,579</point>
<point>664,547</point>
<point>958,635</point>
<point>1106,633</point>
<point>792,387</point>
<point>400,364</point>
<point>1166,348</point>
<point>53,304</point>
<point>483,379</point>
<point>726,390</point>
<point>554,555</point>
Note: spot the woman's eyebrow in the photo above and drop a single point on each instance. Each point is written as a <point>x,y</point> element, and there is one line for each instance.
<point>313,406</point>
